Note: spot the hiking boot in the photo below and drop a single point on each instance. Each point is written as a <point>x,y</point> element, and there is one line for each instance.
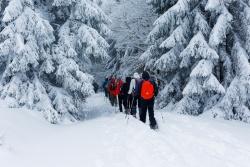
<point>127,111</point>
<point>154,127</point>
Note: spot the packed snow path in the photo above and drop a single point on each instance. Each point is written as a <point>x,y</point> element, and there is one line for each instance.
<point>111,141</point>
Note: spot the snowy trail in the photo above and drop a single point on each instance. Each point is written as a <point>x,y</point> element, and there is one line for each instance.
<point>109,141</point>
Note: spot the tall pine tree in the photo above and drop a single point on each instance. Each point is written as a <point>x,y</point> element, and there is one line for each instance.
<point>230,37</point>
<point>80,43</point>
<point>44,69</point>
<point>24,49</point>
<point>194,44</point>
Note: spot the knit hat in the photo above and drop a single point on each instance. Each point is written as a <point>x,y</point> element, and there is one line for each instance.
<point>145,75</point>
<point>128,79</point>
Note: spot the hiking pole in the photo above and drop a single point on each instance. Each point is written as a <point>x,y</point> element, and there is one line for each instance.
<point>130,109</point>
<point>126,110</point>
<point>128,114</point>
<point>162,117</point>
<point>127,117</point>
<point>105,98</point>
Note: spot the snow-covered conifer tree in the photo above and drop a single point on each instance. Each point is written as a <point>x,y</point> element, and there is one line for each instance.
<point>24,49</point>
<point>235,104</point>
<point>161,5</point>
<point>44,69</point>
<point>3,4</point>
<point>80,43</point>
<point>131,22</point>
<point>192,45</point>
<point>82,32</point>
<point>180,50</point>
<point>230,37</point>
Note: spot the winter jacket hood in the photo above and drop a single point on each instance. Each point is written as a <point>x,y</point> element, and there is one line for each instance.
<point>136,75</point>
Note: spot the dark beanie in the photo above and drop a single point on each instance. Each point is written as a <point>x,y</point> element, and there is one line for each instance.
<point>145,75</point>
<point>128,79</point>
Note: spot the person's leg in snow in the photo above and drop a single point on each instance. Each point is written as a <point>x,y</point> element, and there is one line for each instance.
<point>139,105</point>
<point>125,103</point>
<point>106,92</point>
<point>143,113</point>
<point>148,105</point>
<point>120,100</point>
<point>130,100</point>
<point>153,124</point>
<point>113,100</point>
<point>134,106</point>
<point>116,101</point>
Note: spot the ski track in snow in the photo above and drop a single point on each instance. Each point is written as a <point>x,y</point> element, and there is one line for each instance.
<point>112,141</point>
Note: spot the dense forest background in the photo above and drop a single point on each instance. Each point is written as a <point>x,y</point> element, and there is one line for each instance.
<point>198,49</point>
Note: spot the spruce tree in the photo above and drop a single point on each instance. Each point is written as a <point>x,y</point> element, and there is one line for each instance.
<point>82,31</point>
<point>24,49</point>
<point>193,45</point>
<point>80,43</point>
<point>131,23</point>
<point>161,6</point>
<point>230,37</point>
<point>46,68</point>
<point>3,4</point>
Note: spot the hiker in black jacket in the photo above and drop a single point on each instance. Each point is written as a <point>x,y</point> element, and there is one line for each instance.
<point>126,97</point>
<point>96,86</point>
<point>105,86</point>
<point>148,91</point>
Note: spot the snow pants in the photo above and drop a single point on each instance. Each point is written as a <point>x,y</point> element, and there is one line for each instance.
<point>127,103</point>
<point>106,92</point>
<point>147,106</point>
<point>120,101</point>
<point>113,100</point>
<point>136,101</point>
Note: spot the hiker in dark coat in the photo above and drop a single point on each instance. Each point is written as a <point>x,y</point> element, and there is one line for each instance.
<point>105,86</point>
<point>126,97</point>
<point>119,84</point>
<point>148,92</point>
<point>96,86</point>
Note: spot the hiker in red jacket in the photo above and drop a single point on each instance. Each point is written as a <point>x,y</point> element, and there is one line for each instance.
<point>148,91</point>
<point>119,84</point>
<point>112,89</point>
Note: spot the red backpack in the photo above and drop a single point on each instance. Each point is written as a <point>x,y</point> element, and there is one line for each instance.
<point>147,90</point>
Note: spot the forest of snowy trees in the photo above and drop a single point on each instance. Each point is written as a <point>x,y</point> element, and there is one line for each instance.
<point>199,49</point>
<point>46,50</point>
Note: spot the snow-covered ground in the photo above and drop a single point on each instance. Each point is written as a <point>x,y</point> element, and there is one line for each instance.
<point>112,141</point>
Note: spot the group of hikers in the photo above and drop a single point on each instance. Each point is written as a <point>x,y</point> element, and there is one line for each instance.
<point>137,92</point>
